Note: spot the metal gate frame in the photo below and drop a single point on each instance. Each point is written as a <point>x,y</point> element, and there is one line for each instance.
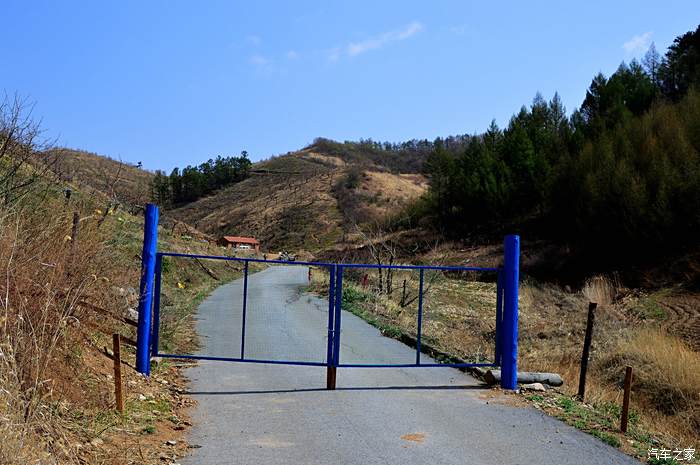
<point>154,341</point>
<point>506,340</point>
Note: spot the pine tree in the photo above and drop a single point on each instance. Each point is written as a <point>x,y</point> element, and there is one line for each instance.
<point>652,63</point>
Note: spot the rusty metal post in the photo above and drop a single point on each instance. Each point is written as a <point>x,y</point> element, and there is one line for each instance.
<point>586,350</point>
<point>626,400</point>
<point>118,394</point>
<point>330,378</point>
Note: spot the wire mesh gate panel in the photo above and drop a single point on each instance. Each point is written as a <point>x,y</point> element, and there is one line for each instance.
<point>244,321</point>
<point>426,306</point>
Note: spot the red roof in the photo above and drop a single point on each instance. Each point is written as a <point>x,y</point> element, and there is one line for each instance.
<point>241,240</point>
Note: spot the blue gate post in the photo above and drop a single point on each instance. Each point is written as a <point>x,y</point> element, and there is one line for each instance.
<point>148,264</point>
<point>245,306</point>
<point>499,317</point>
<point>155,330</point>
<point>338,309</point>
<point>509,327</point>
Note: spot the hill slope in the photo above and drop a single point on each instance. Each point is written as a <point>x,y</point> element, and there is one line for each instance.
<point>93,173</point>
<point>294,201</point>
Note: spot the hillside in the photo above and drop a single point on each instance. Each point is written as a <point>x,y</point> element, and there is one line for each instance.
<point>71,285</point>
<point>92,173</point>
<point>301,200</point>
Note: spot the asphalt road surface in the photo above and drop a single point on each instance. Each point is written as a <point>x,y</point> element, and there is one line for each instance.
<point>276,414</point>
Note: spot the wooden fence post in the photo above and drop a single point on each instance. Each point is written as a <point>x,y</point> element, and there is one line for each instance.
<point>586,350</point>
<point>116,350</point>
<point>626,400</point>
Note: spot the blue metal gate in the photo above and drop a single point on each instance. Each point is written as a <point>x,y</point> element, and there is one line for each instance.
<point>505,313</point>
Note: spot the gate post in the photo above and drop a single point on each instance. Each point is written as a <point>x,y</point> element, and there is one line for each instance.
<point>155,326</point>
<point>499,317</point>
<point>509,327</point>
<point>148,264</point>
<point>330,366</point>
<point>337,310</point>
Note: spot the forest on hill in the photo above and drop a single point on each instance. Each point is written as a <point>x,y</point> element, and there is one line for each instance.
<point>621,174</point>
<point>195,182</point>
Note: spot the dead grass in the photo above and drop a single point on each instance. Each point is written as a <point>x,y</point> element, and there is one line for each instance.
<point>62,296</point>
<point>382,194</point>
<point>459,320</point>
<point>666,370</point>
<point>45,277</point>
<point>290,207</point>
<point>667,381</point>
<point>289,203</point>
<point>19,444</point>
<point>114,179</point>
<point>599,289</point>
<point>458,312</point>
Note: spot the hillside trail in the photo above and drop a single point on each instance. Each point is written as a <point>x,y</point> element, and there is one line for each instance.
<point>250,413</point>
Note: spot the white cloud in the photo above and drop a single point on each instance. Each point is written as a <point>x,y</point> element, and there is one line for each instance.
<point>373,43</point>
<point>638,44</point>
<point>259,60</point>
<point>292,55</point>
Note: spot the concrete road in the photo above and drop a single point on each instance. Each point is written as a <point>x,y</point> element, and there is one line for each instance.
<point>275,414</point>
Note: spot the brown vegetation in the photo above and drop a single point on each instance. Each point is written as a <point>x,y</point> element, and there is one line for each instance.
<point>66,288</point>
<point>292,201</point>
<point>118,181</point>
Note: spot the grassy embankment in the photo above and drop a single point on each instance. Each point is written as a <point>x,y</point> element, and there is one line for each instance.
<point>64,294</point>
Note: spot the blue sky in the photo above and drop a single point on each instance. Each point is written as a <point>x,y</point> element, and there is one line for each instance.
<point>171,83</point>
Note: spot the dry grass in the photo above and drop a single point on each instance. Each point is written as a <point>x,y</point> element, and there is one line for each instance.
<point>52,278</point>
<point>383,194</point>
<point>292,206</point>
<point>666,370</point>
<point>93,173</point>
<point>44,278</point>
<point>20,443</point>
<point>667,381</point>
<point>459,320</point>
<point>458,312</point>
<point>55,382</point>
<point>599,289</point>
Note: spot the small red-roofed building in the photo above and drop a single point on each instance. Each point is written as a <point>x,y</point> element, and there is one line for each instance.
<point>240,242</point>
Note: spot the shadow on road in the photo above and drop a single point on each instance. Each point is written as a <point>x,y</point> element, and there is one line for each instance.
<point>361,388</point>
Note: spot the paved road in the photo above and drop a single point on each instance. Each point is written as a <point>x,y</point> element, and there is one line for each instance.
<point>276,414</point>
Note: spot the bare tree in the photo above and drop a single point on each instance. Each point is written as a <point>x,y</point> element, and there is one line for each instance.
<point>110,180</point>
<point>25,155</point>
<point>384,251</point>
